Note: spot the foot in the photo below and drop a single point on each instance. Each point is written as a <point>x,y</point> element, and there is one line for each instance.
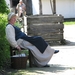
<point>56,51</point>
<point>46,65</point>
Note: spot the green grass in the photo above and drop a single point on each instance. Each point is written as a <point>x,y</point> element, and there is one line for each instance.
<point>69,22</point>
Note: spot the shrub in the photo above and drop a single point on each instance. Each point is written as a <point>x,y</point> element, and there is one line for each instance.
<point>4,47</point>
<point>3,7</point>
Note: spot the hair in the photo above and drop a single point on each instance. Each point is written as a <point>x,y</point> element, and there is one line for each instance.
<point>10,15</point>
<point>20,1</point>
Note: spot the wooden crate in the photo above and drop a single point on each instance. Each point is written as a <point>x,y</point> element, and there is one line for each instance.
<point>50,27</point>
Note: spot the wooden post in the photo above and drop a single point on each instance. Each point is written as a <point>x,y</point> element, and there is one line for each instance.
<point>54,6</point>
<point>40,7</point>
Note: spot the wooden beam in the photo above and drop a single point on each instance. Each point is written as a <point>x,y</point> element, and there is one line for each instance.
<point>54,6</point>
<point>40,7</point>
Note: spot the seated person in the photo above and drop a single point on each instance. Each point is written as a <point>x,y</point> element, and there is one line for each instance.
<point>41,50</point>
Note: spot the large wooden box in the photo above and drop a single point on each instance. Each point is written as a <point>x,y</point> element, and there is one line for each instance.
<point>49,27</point>
<point>19,62</point>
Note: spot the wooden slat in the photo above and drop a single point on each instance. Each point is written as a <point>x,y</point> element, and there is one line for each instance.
<point>45,19</point>
<point>47,25</point>
<point>43,32</point>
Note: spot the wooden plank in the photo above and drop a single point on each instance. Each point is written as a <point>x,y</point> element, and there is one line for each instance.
<point>47,26</point>
<point>45,19</point>
<point>44,31</point>
<point>53,43</point>
<point>52,36</point>
<point>49,36</point>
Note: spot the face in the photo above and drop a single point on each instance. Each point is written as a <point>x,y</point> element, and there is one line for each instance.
<point>21,2</point>
<point>13,19</point>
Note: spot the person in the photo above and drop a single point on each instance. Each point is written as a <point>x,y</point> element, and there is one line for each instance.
<point>41,50</point>
<point>21,8</point>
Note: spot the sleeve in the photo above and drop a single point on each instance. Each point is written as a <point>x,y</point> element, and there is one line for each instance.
<point>10,35</point>
<point>17,6</point>
<point>24,6</point>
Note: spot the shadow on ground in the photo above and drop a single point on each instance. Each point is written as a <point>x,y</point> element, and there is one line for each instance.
<point>69,43</point>
<point>32,71</point>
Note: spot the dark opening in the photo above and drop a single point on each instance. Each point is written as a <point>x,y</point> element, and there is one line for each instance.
<point>28,7</point>
<point>15,2</point>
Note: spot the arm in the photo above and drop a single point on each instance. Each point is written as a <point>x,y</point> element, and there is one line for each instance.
<point>24,7</point>
<point>10,35</point>
<point>17,6</point>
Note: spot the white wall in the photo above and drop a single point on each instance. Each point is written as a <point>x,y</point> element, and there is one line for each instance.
<point>46,7</point>
<point>63,7</point>
<point>35,7</point>
<point>66,8</point>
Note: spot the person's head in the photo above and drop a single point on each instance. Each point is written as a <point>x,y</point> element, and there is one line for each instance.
<point>20,1</point>
<point>12,17</point>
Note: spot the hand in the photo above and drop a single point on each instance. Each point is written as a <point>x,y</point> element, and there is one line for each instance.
<point>18,47</point>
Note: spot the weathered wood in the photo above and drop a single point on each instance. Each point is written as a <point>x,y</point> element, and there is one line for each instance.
<point>49,27</point>
<point>40,7</point>
<point>45,19</point>
<point>54,6</point>
<point>38,32</point>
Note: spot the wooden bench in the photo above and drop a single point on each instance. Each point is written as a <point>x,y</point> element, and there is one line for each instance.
<point>13,52</point>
